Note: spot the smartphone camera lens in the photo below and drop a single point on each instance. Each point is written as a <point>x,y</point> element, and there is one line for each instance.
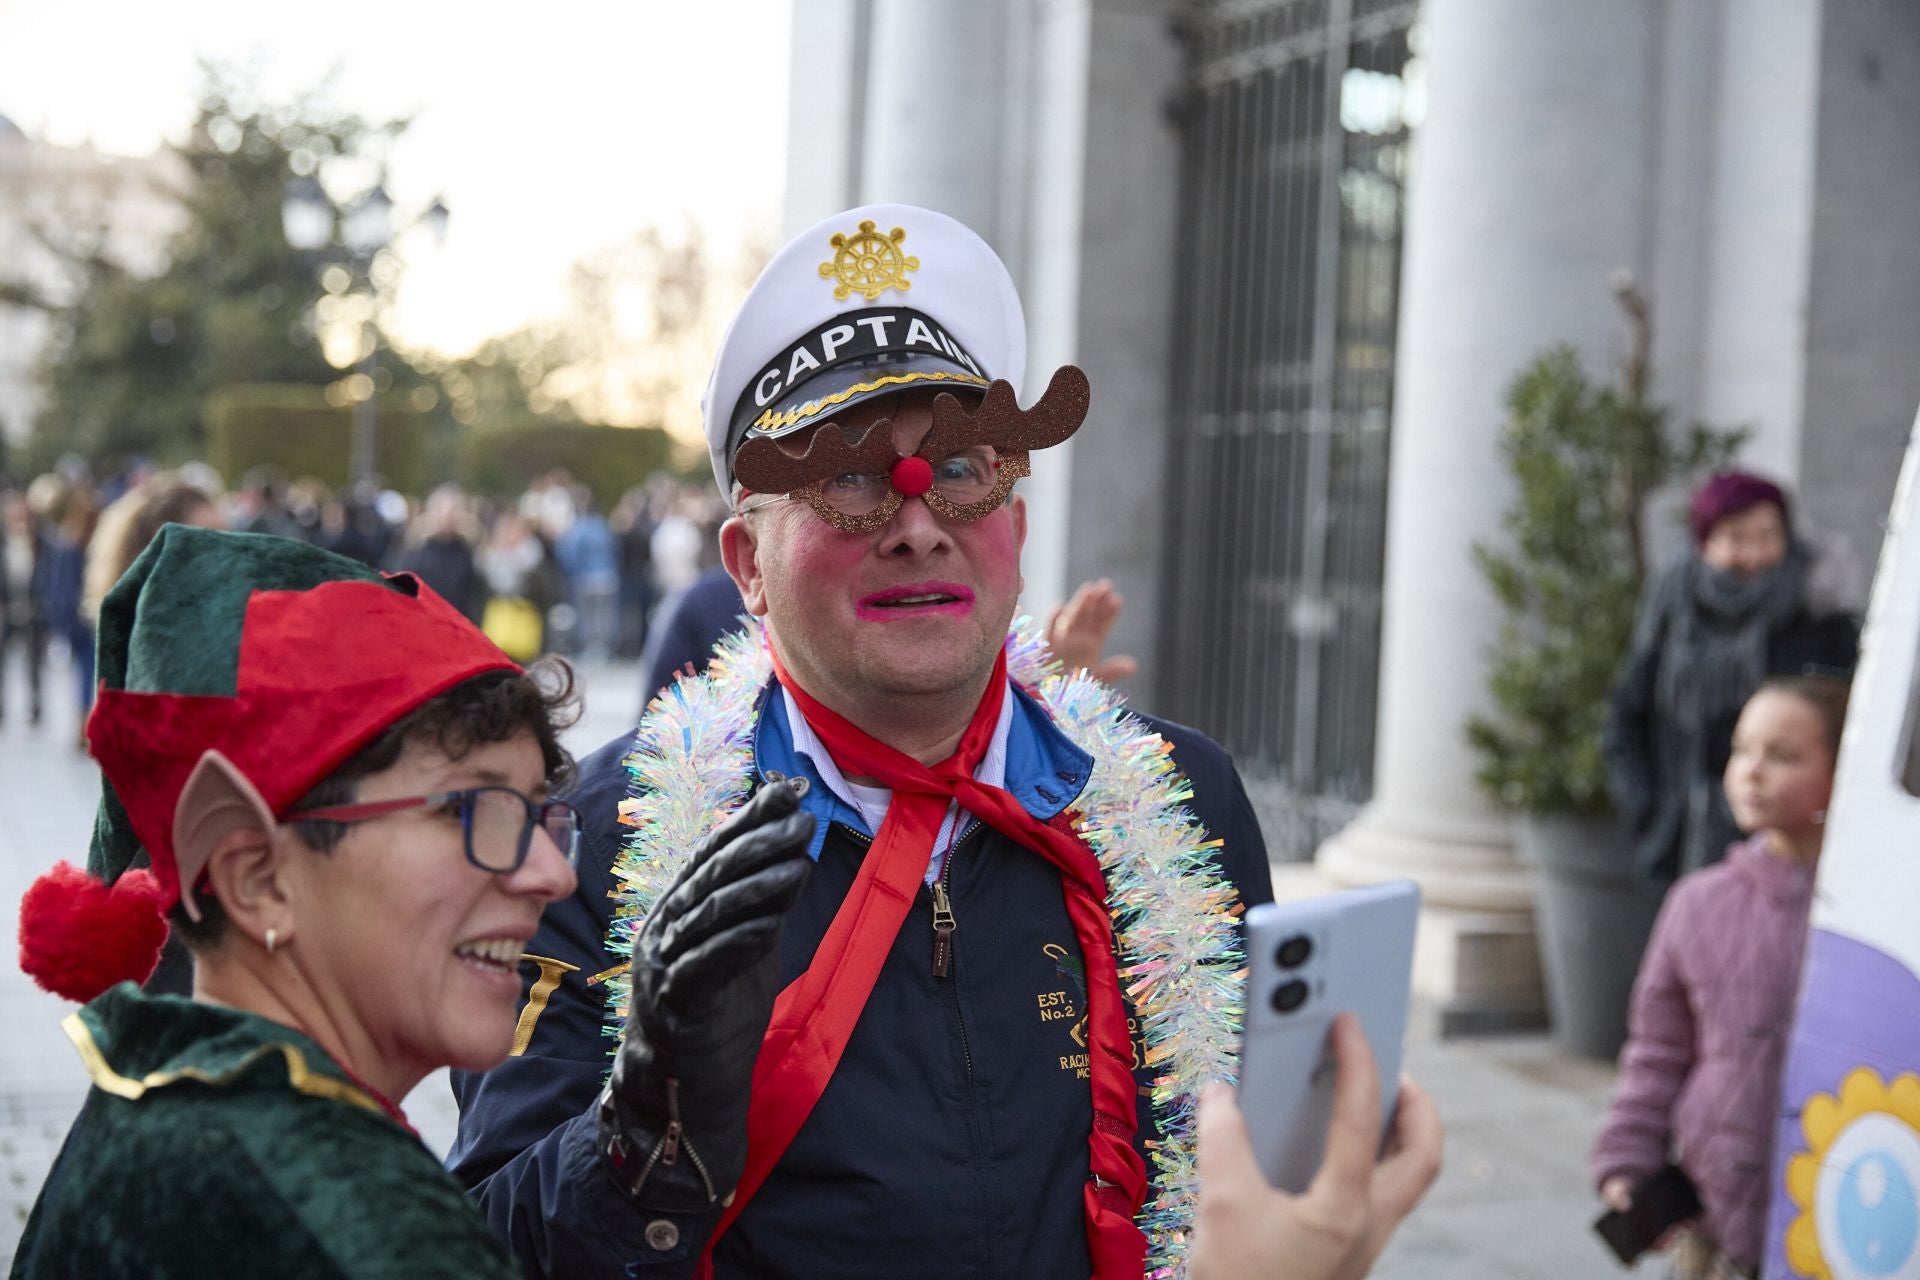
<point>1289,995</point>
<point>1294,951</point>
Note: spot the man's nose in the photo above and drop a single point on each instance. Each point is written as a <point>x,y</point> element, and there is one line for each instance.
<point>914,530</point>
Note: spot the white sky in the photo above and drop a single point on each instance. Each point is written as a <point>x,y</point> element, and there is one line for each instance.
<point>551,129</point>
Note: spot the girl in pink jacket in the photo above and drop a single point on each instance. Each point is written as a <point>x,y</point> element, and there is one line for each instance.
<point>1713,1004</point>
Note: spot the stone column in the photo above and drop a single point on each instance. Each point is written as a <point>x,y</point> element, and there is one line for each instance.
<point>1533,180</point>
<point>935,110</point>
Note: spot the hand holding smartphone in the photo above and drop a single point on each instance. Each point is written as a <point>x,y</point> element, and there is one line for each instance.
<point>1309,962</point>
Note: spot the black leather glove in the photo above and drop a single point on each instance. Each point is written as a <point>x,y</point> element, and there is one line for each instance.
<point>673,1117</point>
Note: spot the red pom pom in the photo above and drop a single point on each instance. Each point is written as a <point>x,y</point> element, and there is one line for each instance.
<point>78,937</point>
<point>912,476</point>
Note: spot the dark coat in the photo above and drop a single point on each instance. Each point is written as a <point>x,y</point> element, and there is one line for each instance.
<point>445,563</point>
<point>1648,774</point>
<point>953,1138</point>
<point>26,610</point>
<point>687,626</point>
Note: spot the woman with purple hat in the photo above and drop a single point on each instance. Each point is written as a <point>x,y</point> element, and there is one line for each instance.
<point>1732,611</point>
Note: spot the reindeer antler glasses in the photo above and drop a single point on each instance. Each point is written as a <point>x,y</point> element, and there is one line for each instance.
<point>964,469</point>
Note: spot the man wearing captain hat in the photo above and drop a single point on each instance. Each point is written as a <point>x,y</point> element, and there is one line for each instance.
<point>976,1042</point>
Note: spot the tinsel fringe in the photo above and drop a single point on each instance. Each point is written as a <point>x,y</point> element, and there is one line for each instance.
<point>1174,916</point>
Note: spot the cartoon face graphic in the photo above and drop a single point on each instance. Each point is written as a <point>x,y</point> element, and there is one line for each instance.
<point>1857,1186</point>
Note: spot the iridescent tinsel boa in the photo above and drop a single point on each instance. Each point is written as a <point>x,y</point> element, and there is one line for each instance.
<point>1174,916</point>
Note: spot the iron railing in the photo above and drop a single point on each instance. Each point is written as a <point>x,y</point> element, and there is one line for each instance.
<point>1296,117</point>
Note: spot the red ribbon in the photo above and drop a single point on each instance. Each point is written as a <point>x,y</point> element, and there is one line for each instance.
<point>815,1016</point>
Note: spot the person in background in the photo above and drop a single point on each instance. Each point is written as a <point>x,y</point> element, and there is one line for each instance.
<point>23,597</point>
<point>1713,1003</point>
<point>131,522</point>
<point>633,530</point>
<point>260,505</point>
<point>1722,617</point>
<point>513,564</point>
<point>71,512</point>
<point>337,792</point>
<point>441,554</point>
<point>678,541</point>
<point>586,553</point>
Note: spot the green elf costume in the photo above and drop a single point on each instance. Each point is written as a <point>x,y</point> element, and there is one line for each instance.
<point>214,1141</point>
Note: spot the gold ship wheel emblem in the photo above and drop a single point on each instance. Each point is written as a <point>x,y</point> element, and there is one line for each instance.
<point>869,263</point>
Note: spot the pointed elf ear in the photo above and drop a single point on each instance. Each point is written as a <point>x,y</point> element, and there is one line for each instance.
<point>216,801</point>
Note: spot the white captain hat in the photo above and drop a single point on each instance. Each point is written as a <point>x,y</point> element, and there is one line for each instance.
<point>863,304</point>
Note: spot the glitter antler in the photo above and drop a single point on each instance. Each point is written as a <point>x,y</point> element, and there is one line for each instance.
<point>764,467</point>
<point>1001,422</point>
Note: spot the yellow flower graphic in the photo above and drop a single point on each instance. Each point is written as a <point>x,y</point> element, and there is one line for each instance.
<point>1855,1185</point>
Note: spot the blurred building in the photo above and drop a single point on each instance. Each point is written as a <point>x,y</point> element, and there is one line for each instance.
<point>84,200</point>
<point>1301,247</point>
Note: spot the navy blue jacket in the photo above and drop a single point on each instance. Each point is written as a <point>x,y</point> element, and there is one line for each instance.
<point>953,1138</point>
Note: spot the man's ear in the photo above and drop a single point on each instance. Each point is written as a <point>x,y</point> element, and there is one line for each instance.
<point>740,553</point>
<point>219,808</point>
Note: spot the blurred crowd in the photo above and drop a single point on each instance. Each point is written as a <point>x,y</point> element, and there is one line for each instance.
<point>545,571</point>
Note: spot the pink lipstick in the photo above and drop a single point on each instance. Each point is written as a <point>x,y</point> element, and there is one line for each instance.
<point>914,600</point>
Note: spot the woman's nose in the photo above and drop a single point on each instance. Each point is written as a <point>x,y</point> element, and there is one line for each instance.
<point>546,873</point>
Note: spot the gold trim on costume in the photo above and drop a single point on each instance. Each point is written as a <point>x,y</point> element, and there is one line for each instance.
<point>302,1077</point>
<point>551,971</point>
<point>614,972</point>
<point>770,421</point>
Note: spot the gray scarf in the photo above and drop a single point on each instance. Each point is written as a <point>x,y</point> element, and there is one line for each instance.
<point>1712,659</point>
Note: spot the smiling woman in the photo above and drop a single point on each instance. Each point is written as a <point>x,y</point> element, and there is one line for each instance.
<point>340,791</point>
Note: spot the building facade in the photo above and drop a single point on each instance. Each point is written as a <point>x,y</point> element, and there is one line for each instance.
<point>1301,247</point>
<point>92,202</point>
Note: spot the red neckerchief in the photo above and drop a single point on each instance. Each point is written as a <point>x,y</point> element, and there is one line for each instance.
<point>815,1016</point>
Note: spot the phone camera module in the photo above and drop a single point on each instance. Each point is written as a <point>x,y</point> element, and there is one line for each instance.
<point>1289,995</point>
<point>1294,952</point>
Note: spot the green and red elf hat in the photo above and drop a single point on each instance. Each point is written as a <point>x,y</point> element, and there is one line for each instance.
<point>286,660</point>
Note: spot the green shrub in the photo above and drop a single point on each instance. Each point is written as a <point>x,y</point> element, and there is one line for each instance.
<point>1568,576</point>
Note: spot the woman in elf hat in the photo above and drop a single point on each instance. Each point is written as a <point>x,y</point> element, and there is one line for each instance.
<point>339,790</point>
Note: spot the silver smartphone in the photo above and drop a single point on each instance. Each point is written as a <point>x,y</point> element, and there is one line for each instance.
<point>1309,962</point>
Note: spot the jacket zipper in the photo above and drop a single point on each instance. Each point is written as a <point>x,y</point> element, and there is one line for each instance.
<point>943,924</point>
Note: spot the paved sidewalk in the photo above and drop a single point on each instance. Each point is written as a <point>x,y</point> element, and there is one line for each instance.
<point>1511,1204</point>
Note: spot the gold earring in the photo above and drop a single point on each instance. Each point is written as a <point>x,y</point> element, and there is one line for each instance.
<point>272,937</point>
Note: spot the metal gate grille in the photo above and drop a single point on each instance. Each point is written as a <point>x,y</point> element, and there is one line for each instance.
<point>1296,125</point>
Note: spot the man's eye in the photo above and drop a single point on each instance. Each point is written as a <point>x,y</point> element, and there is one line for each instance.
<point>850,480</point>
<point>961,466</point>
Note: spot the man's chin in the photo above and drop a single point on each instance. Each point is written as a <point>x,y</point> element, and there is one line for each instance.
<point>927,670</point>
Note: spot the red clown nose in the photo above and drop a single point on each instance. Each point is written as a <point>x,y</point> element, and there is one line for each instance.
<point>912,476</point>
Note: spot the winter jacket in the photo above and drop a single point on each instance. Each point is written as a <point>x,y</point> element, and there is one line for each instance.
<point>952,1139</point>
<point>1650,767</point>
<point>1707,1030</point>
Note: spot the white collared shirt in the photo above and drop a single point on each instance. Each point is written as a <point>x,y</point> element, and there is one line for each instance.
<point>872,802</point>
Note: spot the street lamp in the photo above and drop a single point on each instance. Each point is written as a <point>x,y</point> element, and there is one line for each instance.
<point>307,219</point>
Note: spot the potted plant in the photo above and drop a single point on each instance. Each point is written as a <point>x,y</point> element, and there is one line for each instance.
<point>1585,459</point>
